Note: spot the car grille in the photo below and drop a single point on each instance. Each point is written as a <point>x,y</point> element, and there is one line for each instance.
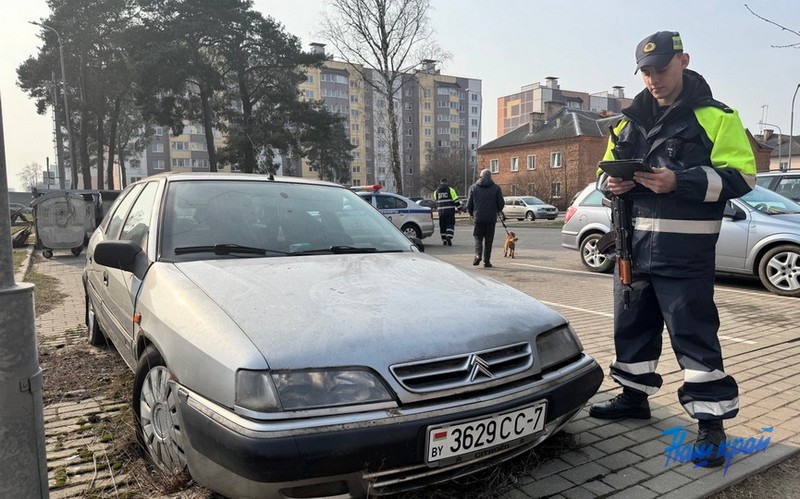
<point>463,370</point>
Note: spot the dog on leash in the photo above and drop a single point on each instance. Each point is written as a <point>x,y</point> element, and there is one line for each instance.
<point>510,244</point>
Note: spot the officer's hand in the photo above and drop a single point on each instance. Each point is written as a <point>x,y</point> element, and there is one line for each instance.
<point>618,186</point>
<point>661,180</point>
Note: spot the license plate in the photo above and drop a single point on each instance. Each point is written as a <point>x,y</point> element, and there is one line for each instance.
<point>473,439</point>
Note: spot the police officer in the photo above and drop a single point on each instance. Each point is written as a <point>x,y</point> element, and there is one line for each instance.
<point>446,203</point>
<point>700,158</point>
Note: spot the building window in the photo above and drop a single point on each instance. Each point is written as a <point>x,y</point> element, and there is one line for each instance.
<point>474,110</point>
<point>555,160</point>
<point>427,118</point>
<point>157,147</point>
<point>531,162</point>
<point>354,127</point>
<point>428,106</point>
<point>515,164</point>
<point>354,113</point>
<point>158,164</point>
<point>410,132</point>
<point>180,162</point>
<point>310,78</point>
<point>474,96</point>
<point>135,179</point>
<point>428,132</point>
<point>200,163</point>
<point>353,98</point>
<point>555,190</point>
<point>409,119</point>
<point>179,146</point>
<point>309,94</point>
<point>356,169</point>
<point>494,165</point>
<point>159,131</point>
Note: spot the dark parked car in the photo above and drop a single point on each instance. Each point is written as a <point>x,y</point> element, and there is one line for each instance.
<point>286,342</point>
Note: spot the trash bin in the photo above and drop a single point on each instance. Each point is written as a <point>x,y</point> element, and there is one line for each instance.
<point>62,220</point>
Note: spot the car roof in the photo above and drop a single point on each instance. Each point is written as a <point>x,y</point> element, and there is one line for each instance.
<point>183,176</point>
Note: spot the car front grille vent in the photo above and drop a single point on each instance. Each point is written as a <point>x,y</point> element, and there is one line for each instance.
<point>446,373</point>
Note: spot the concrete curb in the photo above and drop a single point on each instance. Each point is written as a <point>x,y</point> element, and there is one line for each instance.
<point>19,274</point>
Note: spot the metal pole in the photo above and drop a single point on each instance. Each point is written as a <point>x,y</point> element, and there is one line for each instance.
<point>791,129</point>
<point>22,453</point>
<point>59,140</point>
<point>780,141</point>
<point>67,116</point>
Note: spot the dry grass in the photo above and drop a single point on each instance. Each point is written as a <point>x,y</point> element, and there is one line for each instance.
<point>47,295</point>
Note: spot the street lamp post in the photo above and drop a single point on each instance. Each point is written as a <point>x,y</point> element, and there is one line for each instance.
<point>780,142</point>
<point>791,128</point>
<point>67,119</point>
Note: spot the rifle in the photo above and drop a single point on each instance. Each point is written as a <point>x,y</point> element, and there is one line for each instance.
<point>623,228</point>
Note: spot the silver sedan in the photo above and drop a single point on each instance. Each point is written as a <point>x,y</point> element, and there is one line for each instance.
<point>286,341</point>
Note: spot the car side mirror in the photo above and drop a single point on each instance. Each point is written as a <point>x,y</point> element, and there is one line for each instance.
<point>123,255</point>
<point>733,212</point>
<point>418,243</point>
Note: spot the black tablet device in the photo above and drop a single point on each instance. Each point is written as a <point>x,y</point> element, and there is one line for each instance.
<point>623,168</point>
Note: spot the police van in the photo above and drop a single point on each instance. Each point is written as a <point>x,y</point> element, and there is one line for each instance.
<point>414,220</point>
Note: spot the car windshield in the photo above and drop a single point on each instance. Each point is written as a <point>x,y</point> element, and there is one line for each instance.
<point>234,219</point>
<point>532,200</point>
<point>769,202</point>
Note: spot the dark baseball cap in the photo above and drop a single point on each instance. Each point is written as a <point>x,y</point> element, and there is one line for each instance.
<point>658,49</point>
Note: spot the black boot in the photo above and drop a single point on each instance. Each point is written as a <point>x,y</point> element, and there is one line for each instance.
<point>476,261</point>
<point>628,404</point>
<point>705,452</point>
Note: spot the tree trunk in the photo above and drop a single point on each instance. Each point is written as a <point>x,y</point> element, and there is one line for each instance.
<point>84,133</point>
<point>397,169</point>
<point>112,142</point>
<point>205,99</point>
<point>249,153</point>
<point>123,176</point>
<point>100,138</point>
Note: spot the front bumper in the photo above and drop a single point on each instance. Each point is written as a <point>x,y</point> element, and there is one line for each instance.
<point>243,458</point>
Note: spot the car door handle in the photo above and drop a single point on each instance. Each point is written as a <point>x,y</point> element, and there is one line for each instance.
<point>105,277</point>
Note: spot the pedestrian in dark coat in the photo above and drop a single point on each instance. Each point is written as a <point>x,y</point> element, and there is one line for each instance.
<point>485,202</point>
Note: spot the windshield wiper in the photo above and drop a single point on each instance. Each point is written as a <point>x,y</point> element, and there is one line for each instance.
<point>336,250</point>
<point>227,249</point>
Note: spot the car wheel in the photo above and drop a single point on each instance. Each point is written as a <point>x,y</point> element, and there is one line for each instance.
<point>779,270</point>
<point>592,258</point>
<point>411,230</point>
<point>77,250</point>
<point>155,406</point>
<point>96,336</point>
<point>529,216</point>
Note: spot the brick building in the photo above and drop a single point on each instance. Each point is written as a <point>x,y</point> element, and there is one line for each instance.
<point>551,158</point>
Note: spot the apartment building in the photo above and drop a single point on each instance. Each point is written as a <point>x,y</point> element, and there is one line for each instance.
<point>433,111</point>
<point>514,110</point>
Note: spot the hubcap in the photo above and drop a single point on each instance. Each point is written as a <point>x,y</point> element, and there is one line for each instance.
<point>783,271</point>
<point>592,256</point>
<point>161,430</point>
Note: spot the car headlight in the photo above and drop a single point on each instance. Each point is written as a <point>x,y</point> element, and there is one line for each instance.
<point>557,345</point>
<point>296,390</point>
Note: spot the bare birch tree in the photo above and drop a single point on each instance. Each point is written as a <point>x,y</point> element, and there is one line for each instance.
<point>388,37</point>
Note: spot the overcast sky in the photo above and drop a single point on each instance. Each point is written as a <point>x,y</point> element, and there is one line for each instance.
<point>587,44</point>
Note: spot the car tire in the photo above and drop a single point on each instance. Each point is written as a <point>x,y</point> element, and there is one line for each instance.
<point>155,407</point>
<point>592,258</point>
<point>779,270</point>
<point>529,216</point>
<point>76,251</point>
<point>411,230</point>
<point>96,336</point>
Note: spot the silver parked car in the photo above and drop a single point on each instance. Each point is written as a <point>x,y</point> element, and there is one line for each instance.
<point>267,324</point>
<point>759,236</point>
<point>528,208</point>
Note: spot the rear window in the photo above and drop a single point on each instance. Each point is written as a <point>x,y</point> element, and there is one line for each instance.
<point>595,198</point>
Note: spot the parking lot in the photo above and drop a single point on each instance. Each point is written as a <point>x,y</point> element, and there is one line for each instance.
<point>760,340</point>
<point>612,459</point>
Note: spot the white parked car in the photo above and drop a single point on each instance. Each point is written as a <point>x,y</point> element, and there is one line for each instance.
<point>413,219</point>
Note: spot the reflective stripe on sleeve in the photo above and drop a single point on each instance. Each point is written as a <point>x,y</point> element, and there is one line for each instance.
<point>677,226</point>
<point>714,187</point>
<point>646,367</point>
<point>715,408</point>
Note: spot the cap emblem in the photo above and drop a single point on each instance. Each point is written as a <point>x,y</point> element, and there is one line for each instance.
<point>649,47</point>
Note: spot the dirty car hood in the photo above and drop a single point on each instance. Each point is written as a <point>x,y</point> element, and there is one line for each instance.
<point>366,310</point>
